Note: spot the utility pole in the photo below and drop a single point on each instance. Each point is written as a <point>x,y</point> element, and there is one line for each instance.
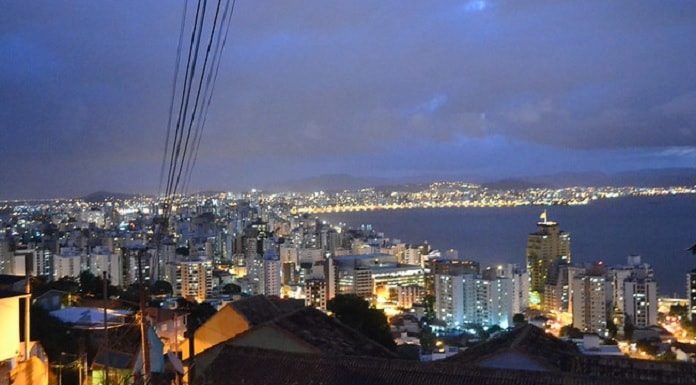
<point>105,289</point>
<point>143,327</point>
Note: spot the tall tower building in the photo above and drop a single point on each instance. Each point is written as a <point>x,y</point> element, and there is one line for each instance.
<point>691,293</point>
<point>193,278</point>
<point>546,248</point>
<point>589,303</point>
<point>640,301</point>
<point>271,273</point>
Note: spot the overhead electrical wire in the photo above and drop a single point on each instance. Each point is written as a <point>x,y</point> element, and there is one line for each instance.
<point>198,95</point>
<point>173,98</point>
<point>209,91</point>
<point>176,144</point>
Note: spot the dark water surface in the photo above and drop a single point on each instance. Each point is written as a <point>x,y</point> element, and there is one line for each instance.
<point>659,229</point>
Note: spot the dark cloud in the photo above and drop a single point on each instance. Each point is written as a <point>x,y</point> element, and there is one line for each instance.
<point>317,86</point>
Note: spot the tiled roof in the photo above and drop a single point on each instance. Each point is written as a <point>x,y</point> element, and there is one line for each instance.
<point>564,357</point>
<point>550,351</point>
<point>326,334</point>
<point>6,279</point>
<point>9,293</point>
<point>258,309</point>
<point>262,367</point>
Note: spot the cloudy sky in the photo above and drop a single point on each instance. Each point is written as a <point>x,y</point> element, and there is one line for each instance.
<point>486,88</point>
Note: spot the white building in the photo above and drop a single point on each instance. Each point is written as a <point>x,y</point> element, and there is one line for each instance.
<point>589,304</point>
<point>271,274</point>
<point>520,291</point>
<point>103,259</point>
<point>463,299</point>
<point>640,301</point>
<point>38,260</point>
<point>193,278</point>
<point>67,265</point>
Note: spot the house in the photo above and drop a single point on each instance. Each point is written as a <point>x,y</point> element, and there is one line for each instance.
<point>122,359</point>
<point>15,283</point>
<point>51,300</point>
<point>235,318</point>
<point>15,365</point>
<point>170,326</point>
<point>243,365</point>
<point>304,331</point>
<point>591,344</point>
<point>530,349</point>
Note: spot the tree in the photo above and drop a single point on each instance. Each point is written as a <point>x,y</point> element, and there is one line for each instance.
<point>519,319</point>
<point>88,283</point>
<point>429,302</point>
<point>198,313</point>
<point>231,288</point>
<point>357,313</point>
<point>570,331</point>
<point>427,340</point>
<point>54,335</point>
<point>628,329</point>
<point>612,328</point>
<point>679,310</point>
<point>162,288</point>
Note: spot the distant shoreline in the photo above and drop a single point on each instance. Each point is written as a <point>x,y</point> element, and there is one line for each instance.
<point>337,209</point>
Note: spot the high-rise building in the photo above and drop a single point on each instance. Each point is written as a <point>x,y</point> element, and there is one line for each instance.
<point>546,248</point>
<point>691,293</point>
<point>103,259</point>
<point>193,278</point>
<point>494,301</point>
<point>38,260</point>
<point>557,296</point>
<point>617,275</point>
<point>640,301</point>
<point>520,290</point>
<point>407,295</point>
<point>66,265</point>
<point>467,298</point>
<point>315,293</point>
<point>271,273</point>
<point>589,303</point>
<point>455,299</point>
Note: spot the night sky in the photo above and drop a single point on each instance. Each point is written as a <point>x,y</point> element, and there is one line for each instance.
<point>487,89</point>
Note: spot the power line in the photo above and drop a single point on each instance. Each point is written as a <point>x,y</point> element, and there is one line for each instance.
<point>173,98</point>
<point>198,94</point>
<point>219,51</point>
<point>177,143</point>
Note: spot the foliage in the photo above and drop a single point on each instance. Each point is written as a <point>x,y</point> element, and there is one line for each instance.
<point>161,288</point>
<point>519,319</point>
<point>612,328</point>
<point>427,340</point>
<point>494,329</point>
<point>679,310</point>
<point>231,288</point>
<point>93,285</point>
<point>628,329</point>
<point>647,346</point>
<point>357,313</point>
<point>54,335</point>
<point>688,326</point>
<point>429,302</point>
<point>198,313</point>
<point>570,331</point>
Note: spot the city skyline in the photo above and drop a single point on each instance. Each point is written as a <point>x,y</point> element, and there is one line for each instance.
<point>486,89</point>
